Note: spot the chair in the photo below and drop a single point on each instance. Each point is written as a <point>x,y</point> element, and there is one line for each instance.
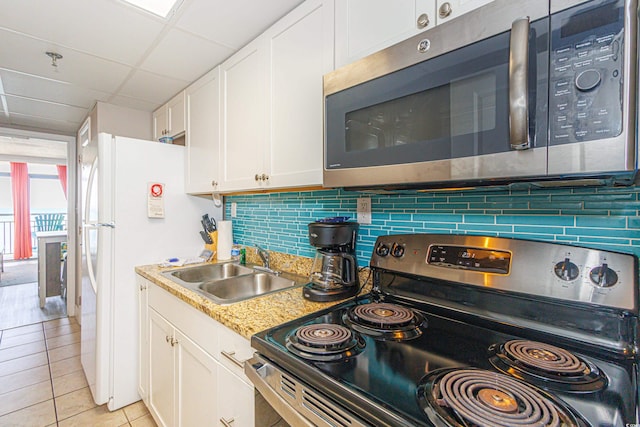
<point>49,222</point>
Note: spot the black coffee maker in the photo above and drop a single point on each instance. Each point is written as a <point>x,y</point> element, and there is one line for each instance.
<point>334,274</point>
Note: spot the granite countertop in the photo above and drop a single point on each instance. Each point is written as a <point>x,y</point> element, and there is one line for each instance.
<point>244,317</point>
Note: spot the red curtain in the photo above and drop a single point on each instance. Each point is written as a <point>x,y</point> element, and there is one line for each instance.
<point>62,174</point>
<point>21,214</point>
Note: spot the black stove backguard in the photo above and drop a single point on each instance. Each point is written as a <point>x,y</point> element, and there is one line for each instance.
<point>476,296</point>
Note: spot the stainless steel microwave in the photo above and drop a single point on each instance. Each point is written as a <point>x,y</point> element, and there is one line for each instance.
<point>517,90</point>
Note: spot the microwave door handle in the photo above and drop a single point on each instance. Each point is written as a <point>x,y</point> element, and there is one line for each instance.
<point>518,85</point>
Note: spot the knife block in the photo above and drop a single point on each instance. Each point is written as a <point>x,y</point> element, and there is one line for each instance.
<point>213,247</point>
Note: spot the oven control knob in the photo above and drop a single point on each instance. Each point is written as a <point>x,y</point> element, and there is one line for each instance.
<point>382,250</point>
<point>566,270</point>
<point>603,276</point>
<point>397,250</point>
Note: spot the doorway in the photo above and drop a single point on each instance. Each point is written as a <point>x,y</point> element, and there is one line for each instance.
<point>34,279</point>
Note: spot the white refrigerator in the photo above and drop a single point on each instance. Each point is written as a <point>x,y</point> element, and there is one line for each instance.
<point>117,235</point>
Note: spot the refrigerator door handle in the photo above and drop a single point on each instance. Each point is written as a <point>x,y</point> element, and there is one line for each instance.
<point>105,224</point>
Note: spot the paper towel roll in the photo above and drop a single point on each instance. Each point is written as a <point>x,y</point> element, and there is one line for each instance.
<point>225,239</point>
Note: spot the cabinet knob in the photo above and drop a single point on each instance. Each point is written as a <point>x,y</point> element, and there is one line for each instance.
<point>226,423</point>
<point>445,10</point>
<point>423,20</point>
<point>167,338</point>
<point>173,342</point>
<point>214,183</point>
<point>257,177</point>
<point>265,177</point>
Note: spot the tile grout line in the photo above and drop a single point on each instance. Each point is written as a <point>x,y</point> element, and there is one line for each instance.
<point>53,393</point>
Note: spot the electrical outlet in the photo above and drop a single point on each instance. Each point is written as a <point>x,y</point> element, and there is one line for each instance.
<point>234,209</point>
<point>364,210</point>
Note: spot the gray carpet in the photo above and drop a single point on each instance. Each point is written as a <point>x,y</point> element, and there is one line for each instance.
<point>19,272</point>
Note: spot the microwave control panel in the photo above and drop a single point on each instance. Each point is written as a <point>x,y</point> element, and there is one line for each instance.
<point>586,87</point>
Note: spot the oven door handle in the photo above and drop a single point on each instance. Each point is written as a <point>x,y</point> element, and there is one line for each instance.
<point>519,85</point>
<point>257,369</point>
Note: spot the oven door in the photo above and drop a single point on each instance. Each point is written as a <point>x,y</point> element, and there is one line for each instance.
<point>294,401</point>
<point>474,112</point>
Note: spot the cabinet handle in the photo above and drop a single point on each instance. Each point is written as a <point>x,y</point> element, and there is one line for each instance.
<point>231,356</point>
<point>423,20</point>
<point>445,10</point>
<point>226,423</point>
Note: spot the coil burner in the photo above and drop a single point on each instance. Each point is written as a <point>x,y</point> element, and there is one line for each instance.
<point>385,321</point>
<point>464,397</point>
<point>546,366</point>
<point>324,342</point>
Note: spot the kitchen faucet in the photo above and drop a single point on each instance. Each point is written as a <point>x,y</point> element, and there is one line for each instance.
<point>264,255</point>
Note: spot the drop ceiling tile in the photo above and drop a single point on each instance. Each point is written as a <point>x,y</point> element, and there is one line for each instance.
<point>27,55</point>
<point>44,124</point>
<point>151,87</point>
<point>105,28</point>
<point>53,111</point>
<point>183,56</point>
<point>30,86</point>
<point>233,23</point>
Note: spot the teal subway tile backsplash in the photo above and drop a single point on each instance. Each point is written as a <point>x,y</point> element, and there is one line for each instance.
<point>594,217</point>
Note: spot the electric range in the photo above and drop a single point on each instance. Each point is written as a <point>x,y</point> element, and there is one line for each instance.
<point>465,331</point>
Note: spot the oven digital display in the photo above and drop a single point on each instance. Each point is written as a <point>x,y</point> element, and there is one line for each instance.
<point>476,259</point>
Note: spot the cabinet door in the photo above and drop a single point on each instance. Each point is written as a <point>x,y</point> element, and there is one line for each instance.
<point>162,370</point>
<point>159,122</point>
<point>367,26</point>
<point>451,9</point>
<point>196,384</point>
<point>301,52</point>
<point>143,339</point>
<point>244,123</point>
<point>235,400</point>
<point>175,113</point>
<point>203,134</point>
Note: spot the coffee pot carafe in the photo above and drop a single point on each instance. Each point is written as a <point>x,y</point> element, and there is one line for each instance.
<point>334,274</point>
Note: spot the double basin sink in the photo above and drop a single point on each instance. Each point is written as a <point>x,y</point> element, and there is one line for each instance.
<point>227,283</point>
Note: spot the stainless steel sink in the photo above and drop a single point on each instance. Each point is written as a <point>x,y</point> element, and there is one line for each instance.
<point>240,288</point>
<point>205,273</point>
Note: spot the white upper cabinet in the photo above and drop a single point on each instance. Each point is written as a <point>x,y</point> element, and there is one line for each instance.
<point>202,101</point>
<point>451,9</point>
<point>300,53</point>
<point>367,26</point>
<point>169,120</point>
<point>244,122</point>
<point>272,125</point>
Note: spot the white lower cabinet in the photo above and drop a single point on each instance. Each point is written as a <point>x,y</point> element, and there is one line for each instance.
<point>162,389</point>
<point>196,384</point>
<point>234,395</point>
<point>143,342</point>
<point>194,373</point>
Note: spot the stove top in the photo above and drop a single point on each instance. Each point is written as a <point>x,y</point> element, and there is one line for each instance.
<point>390,373</point>
<point>432,351</point>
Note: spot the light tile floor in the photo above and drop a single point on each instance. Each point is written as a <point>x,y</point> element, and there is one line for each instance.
<point>42,382</point>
